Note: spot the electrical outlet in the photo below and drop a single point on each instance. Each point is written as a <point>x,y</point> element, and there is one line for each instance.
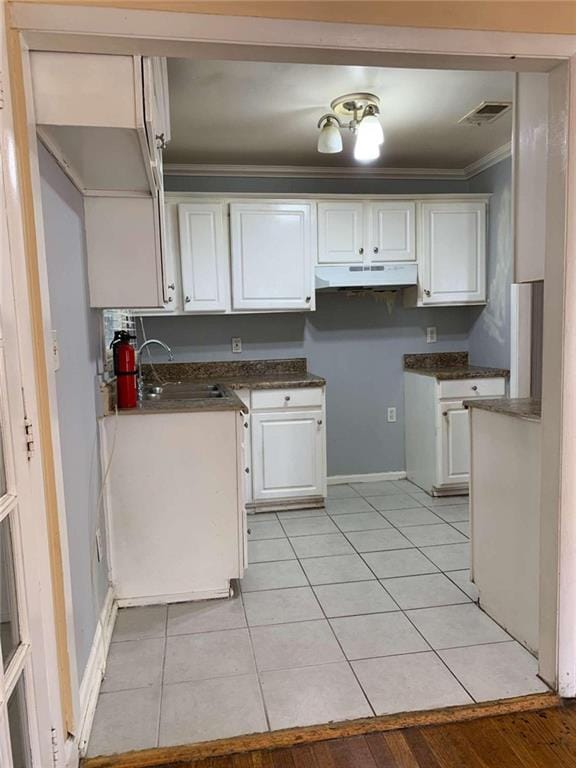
<point>236,344</point>
<point>99,545</point>
<point>391,414</point>
<point>431,336</point>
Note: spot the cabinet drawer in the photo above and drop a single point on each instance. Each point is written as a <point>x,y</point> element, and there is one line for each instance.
<point>469,388</point>
<point>287,398</point>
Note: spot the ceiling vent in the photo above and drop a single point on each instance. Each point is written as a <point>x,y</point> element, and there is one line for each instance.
<point>486,112</point>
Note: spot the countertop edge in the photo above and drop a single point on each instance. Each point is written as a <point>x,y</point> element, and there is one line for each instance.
<point>520,408</point>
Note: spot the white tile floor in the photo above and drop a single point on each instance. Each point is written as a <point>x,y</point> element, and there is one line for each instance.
<point>360,609</point>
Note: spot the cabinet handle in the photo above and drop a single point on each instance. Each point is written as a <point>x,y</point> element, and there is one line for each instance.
<point>427,292</point>
<point>161,141</point>
<point>287,398</point>
<point>361,251</point>
<point>319,422</point>
<point>445,413</point>
<point>171,287</point>
<point>474,388</point>
<point>249,531</point>
<point>247,470</point>
<point>246,424</point>
<point>375,249</point>
<point>187,299</point>
<point>308,299</point>
<point>170,299</point>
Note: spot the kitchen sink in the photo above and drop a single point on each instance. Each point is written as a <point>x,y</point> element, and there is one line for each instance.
<point>184,391</point>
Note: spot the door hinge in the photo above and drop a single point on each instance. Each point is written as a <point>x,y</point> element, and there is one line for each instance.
<point>29,431</point>
<point>55,752</point>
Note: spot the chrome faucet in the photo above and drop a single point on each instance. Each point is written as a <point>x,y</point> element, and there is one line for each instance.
<point>144,346</point>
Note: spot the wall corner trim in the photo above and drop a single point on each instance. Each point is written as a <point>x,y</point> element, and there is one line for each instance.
<point>95,668</point>
<point>372,477</point>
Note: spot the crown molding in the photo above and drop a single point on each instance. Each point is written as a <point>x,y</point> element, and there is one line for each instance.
<point>488,160</point>
<point>323,172</point>
<point>309,171</point>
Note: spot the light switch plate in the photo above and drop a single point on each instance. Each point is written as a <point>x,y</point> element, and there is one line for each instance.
<point>431,335</point>
<point>236,344</point>
<point>391,414</point>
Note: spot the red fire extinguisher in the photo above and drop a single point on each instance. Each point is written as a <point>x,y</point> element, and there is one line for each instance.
<point>125,370</point>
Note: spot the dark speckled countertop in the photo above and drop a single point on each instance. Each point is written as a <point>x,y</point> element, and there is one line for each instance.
<point>239,374</point>
<point>522,408</point>
<point>181,383</point>
<point>449,366</point>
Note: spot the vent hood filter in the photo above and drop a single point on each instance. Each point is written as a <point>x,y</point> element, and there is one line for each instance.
<point>394,274</point>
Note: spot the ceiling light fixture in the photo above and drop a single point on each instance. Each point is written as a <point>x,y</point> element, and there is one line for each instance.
<point>362,111</point>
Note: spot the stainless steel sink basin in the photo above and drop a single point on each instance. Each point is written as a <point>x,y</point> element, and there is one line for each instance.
<point>184,391</point>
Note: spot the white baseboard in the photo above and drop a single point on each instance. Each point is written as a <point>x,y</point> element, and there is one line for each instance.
<point>95,668</point>
<point>372,477</point>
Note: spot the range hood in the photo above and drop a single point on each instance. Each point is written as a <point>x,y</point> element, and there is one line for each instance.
<point>394,274</point>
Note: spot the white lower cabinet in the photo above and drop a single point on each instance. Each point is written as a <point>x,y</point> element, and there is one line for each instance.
<point>287,454</point>
<point>175,504</point>
<point>286,461</point>
<point>455,443</point>
<point>437,429</point>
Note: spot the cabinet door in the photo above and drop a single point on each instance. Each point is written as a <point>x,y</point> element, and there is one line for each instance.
<point>392,236</point>
<point>287,454</point>
<point>453,253</point>
<point>123,250</point>
<point>455,443</point>
<point>204,257</point>
<point>340,233</point>
<point>272,256</point>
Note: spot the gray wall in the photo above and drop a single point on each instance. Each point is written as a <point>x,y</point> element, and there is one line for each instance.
<point>77,329</point>
<point>354,343</point>
<point>490,336</point>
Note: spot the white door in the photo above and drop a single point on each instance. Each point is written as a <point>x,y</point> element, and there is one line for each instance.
<point>25,719</point>
<point>392,231</point>
<point>341,233</point>
<point>204,257</point>
<point>453,253</point>
<point>272,256</point>
<point>455,443</point>
<point>287,454</point>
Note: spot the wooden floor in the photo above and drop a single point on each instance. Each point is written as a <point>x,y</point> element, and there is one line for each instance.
<point>526,740</point>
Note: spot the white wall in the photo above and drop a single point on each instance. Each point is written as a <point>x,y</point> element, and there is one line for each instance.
<point>77,330</point>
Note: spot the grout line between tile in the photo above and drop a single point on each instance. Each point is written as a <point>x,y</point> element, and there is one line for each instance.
<point>162,678</point>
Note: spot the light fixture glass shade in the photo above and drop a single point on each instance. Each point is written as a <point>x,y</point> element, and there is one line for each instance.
<point>330,139</point>
<point>372,128</point>
<point>365,148</point>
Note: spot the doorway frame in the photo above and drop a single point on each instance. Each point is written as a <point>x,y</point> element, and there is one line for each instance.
<point>121,29</point>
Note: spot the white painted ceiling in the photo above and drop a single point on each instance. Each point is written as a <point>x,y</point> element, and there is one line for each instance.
<point>253,113</point>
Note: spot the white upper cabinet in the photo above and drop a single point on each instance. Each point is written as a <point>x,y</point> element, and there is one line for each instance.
<point>452,253</point>
<point>123,246</point>
<point>272,256</point>
<point>366,232</point>
<point>204,257</point>
<point>341,232</point>
<point>392,231</point>
<point>103,117</point>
